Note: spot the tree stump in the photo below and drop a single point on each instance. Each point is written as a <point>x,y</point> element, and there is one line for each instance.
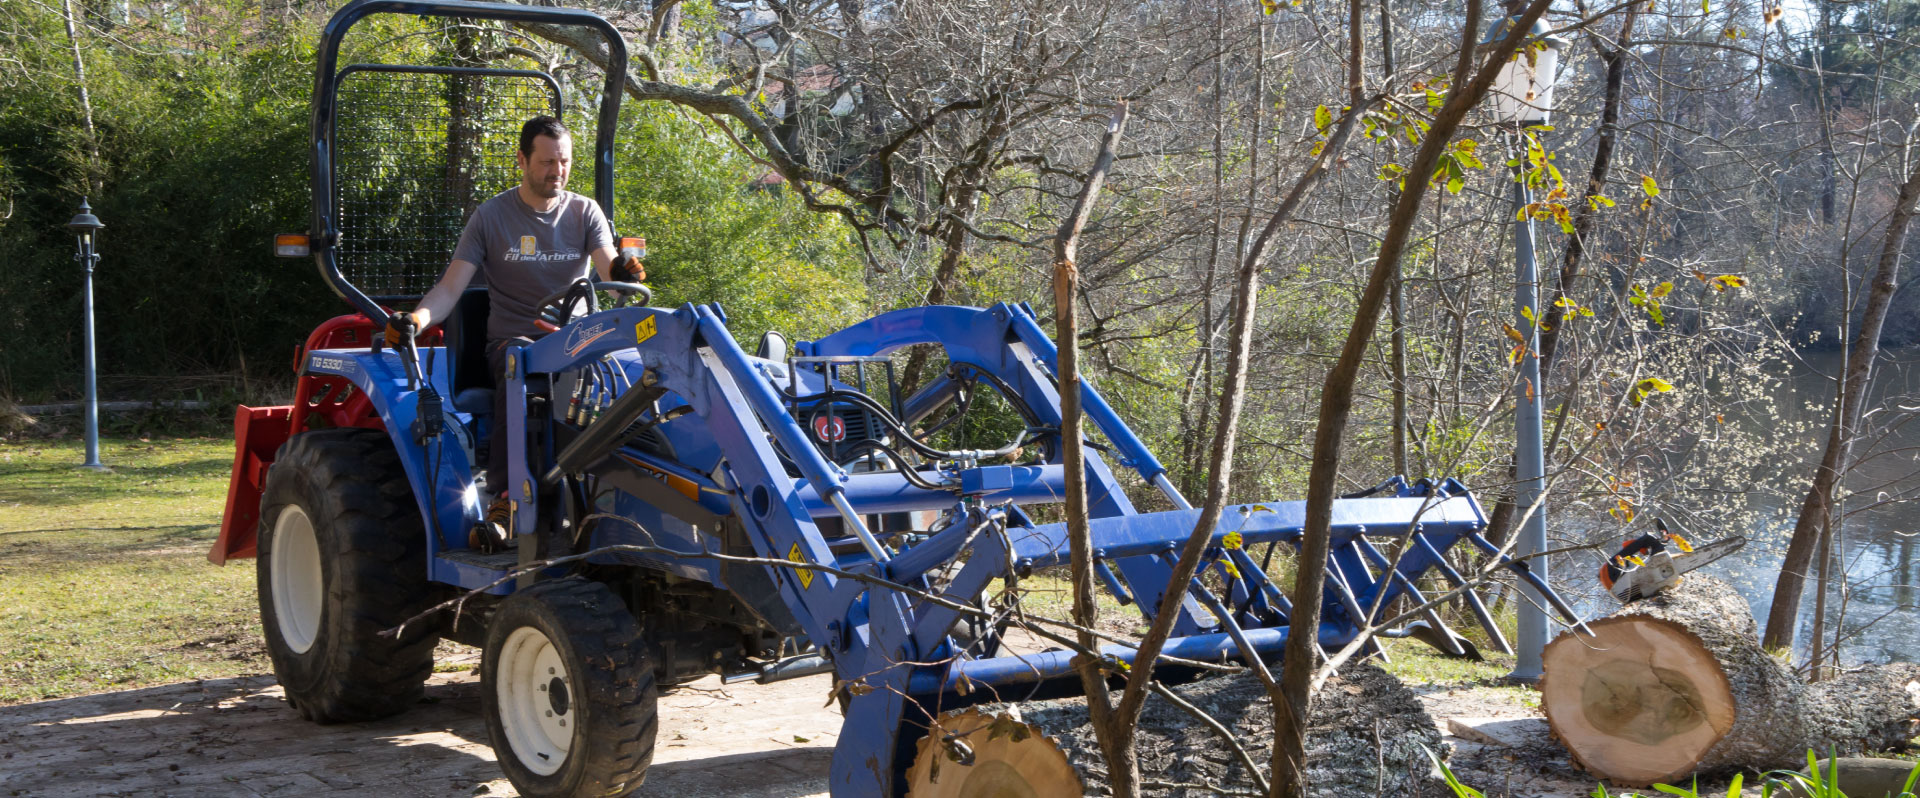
<point>1366,736</point>
<point>1677,685</point>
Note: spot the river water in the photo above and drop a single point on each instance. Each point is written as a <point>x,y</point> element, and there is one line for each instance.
<point>1877,610</point>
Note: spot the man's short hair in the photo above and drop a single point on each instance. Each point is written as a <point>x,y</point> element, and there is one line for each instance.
<point>540,126</point>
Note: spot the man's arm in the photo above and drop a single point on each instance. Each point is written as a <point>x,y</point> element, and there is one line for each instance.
<point>439,302</point>
<point>603,264</point>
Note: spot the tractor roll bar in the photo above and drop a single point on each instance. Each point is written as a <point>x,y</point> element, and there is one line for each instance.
<point>322,232</point>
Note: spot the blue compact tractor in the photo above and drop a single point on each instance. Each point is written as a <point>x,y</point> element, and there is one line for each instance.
<point>684,507</point>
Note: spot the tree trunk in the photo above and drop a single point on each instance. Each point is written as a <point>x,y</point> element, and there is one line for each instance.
<point>1117,738</point>
<point>1232,398</point>
<point>962,201</point>
<point>1302,661</point>
<point>1677,685</point>
<point>1783,616</point>
<point>94,168</point>
<point>466,98</point>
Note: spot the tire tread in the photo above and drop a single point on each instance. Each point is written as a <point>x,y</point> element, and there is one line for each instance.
<point>377,546</point>
<point>618,682</point>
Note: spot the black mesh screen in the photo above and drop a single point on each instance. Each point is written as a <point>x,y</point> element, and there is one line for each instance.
<point>414,153</point>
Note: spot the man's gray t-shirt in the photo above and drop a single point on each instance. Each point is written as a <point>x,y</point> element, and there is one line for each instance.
<point>526,256</point>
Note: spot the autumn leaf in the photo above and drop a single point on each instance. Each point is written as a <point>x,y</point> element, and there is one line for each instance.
<point>1726,281</point>
<point>1269,6</point>
<point>1648,387</point>
<point>1232,540</point>
<point>1322,118</point>
<point>1006,726</point>
<point>1466,152</point>
<point>1647,185</point>
<point>1515,334</point>
<point>1651,301</point>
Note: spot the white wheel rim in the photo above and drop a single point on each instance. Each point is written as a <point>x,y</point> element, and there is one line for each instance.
<point>298,592</point>
<point>536,699</point>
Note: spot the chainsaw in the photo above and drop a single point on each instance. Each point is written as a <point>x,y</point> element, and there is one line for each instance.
<point>1655,561</point>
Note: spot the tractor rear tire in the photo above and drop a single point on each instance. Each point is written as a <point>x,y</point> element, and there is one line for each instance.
<point>568,692</point>
<point>343,558</point>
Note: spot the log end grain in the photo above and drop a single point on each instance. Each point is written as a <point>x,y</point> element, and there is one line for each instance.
<point>1641,701</point>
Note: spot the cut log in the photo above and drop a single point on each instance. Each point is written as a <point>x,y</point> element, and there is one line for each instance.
<point>1367,735</point>
<point>1677,685</point>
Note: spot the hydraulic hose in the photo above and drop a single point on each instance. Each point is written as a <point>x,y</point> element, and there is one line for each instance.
<point>886,417</point>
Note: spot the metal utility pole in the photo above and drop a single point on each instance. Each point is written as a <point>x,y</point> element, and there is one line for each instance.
<point>1529,454</point>
<point>1522,97</point>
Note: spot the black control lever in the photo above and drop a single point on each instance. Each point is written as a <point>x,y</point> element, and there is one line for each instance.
<point>427,419</point>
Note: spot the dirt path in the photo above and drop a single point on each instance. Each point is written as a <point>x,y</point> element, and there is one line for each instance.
<point>237,737</point>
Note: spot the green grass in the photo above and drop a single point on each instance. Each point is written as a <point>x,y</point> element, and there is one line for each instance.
<point>104,580</point>
<point>1415,662</point>
<point>1049,593</point>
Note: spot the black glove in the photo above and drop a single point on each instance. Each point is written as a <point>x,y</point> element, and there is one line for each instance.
<point>401,328</point>
<point>627,268</point>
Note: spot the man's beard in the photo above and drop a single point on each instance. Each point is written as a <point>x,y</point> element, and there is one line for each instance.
<point>544,191</point>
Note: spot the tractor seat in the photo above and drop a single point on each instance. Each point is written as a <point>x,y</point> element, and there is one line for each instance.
<point>465,333</point>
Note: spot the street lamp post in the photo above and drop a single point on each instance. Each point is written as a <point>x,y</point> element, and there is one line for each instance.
<point>1523,97</point>
<point>85,228</point>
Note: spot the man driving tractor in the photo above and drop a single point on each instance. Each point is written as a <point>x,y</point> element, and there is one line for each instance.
<point>526,243</point>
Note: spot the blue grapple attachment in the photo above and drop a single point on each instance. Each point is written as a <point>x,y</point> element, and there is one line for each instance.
<point>774,427</point>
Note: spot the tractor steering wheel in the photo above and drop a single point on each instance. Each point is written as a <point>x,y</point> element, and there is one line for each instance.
<point>558,308</point>
<point>624,293</point>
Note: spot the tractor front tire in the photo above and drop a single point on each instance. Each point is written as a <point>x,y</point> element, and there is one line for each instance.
<point>568,692</point>
<point>343,558</point>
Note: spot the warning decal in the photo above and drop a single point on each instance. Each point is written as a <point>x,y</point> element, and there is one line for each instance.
<point>806,575</point>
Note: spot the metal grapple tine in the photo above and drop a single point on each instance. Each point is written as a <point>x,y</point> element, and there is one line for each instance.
<point>1219,609</point>
<point>1473,597</point>
<point>1275,596</point>
<point>1343,589</point>
<point>1373,554</point>
<point>1105,572</point>
<point>1539,585</point>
